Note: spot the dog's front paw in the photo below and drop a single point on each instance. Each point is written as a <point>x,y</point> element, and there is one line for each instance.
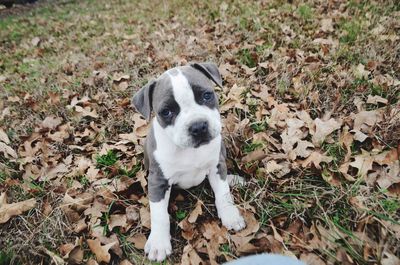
<point>158,247</point>
<point>231,218</point>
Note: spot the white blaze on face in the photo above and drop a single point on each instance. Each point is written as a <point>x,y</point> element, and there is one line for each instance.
<point>190,112</point>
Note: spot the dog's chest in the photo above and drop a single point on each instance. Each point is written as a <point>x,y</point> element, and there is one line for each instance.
<point>188,167</point>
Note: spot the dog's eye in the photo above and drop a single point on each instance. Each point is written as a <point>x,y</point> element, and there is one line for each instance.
<point>166,113</point>
<point>208,96</point>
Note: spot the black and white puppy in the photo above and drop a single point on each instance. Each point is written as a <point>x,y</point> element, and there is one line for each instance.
<point>183,146</point>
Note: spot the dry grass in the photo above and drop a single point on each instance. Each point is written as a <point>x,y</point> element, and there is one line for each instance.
<point>81,40</point>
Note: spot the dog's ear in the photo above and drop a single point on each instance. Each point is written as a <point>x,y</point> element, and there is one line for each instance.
<point>142,100</point>
<point>210,70</point>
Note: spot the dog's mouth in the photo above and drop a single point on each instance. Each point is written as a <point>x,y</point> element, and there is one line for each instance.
<point>201,141</point>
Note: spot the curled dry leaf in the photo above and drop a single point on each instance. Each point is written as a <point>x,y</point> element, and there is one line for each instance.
<point>255,155</point>
<point>76,256</point>
<point>119,77</point>
<point>100,251</point>
<point>140,125</point>
<point>54,257</point>
<point>145,217</point>
<point>252,225</point>
<point>376,99</point>
<point>196,212</point>
<point>13,209</point>
<point>360,72</point>
<point>277,236</point>
<point>4,137</point>
<point>8,151</point>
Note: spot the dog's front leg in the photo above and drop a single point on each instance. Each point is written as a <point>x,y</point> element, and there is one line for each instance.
<point>227,210</point>
<point>158,245</point>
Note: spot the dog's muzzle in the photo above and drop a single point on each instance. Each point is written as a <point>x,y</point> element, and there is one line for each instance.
<point>200,133</point>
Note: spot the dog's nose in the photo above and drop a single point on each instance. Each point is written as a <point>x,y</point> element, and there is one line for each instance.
<point>198,128</point>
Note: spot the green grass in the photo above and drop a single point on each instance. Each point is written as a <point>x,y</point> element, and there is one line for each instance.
<point>390,205</point>
<point>107,160</point>
<point>259,126</point>
<point>180,214</point>
<point>8,256</point>
<point>336,151</point>
<point>351,31</point>
<point>247,58</point>
<point>305,12</point>
<point>250,147</point>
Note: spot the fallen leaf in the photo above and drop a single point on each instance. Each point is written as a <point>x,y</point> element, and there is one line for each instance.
<point>35,41</point>
<point>132,214</point>
<point>54,257</point>
<point>101,252</point>
<point>139,240</point>
<point>389,259</point>
<point>292,134</point>
<point>4,137</point>
<point>327,25</point>
<point>255,155</point>
<point>365,119</point>
<point>196,212</point>
<point>51,122</point>
<point>7,151</point>
<point>360,71</point>
<point>277,236</point>
<point>76,256</point>
<point>363,163</point>
<point>311,259</point>
<point>13,209</point>
<point>252,225</point>
<point>117,220</point>
<point>316,158</point>
<point>323,129</point>
<point>140,125</point>
<point>301,150</point>
<point>118,77</point>
<point>145,217</point>
<point>376,99</point>
<point>190,256</point>
<point>125,262</point>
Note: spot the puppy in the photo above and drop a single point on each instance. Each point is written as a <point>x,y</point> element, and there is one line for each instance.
<point>183,146</point>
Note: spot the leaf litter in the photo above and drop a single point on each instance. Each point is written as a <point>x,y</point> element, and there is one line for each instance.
<point>311,120</point>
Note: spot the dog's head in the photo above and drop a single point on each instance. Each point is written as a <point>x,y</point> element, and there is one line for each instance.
<point>184,102</point>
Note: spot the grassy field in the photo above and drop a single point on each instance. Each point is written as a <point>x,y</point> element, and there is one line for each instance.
<point>311,112</point>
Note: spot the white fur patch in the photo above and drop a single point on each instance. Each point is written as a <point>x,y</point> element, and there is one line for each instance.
<point>186,167</point>
<point>181,163</point>
<point>158,245</point>
<point>227,210</point>
<point>190,112</point>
